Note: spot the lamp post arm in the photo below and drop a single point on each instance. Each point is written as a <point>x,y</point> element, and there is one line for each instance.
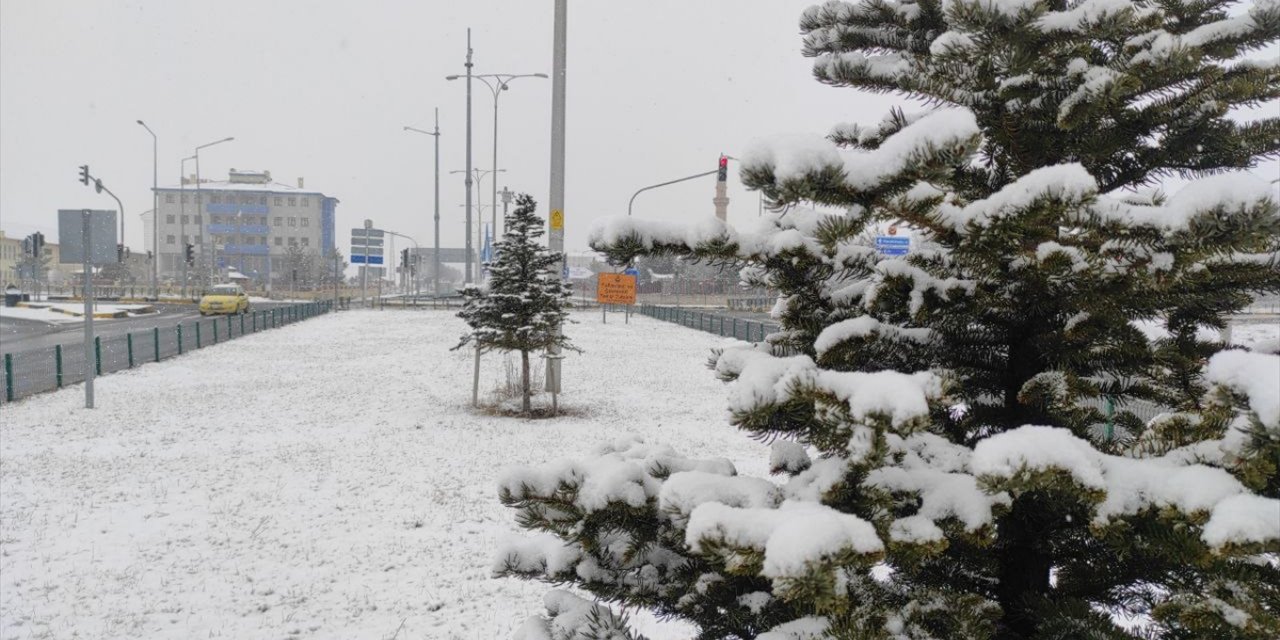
<point>663,184</point>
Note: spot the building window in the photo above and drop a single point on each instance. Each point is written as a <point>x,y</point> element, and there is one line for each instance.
<point>198,221</point>
<point>306,242</point>
<point>279,221</point>
<point>306,222</point>
<point>185,198</point>
<point>279,201</point>
<point>262,200</point>
<point>186,219</point>
<point>293,202</point>
<point>215,219</point>
<point>168,219</point>
<point>293,222</point>
<point>246,199</point>
<point>168,197</point>
<point>171,239</point>
<point>293,242</point>
<point>215,199</point>
<point>306,202</point>
<point>279,241</point>
<point>199,239</point>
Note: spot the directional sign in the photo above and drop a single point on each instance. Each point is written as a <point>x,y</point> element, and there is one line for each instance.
<point>893,245</point>
<point>631,271</point>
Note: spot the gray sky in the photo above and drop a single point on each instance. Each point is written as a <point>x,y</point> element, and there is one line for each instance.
<point>656,90</point>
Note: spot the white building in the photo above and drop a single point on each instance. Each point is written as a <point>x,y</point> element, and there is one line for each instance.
<point>247,223</point>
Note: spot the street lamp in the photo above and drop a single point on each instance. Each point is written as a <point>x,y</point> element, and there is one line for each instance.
<point>182,219</point>
<point>436,134</point>
<point>200,202</point>
<point>155,213</point>
<point>479,176</point>
<point>501,82</point>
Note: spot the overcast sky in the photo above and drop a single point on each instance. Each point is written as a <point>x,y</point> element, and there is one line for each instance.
<point>656,90</point>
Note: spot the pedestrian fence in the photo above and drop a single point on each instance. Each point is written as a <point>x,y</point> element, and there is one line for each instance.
<point>35,371</point>
<point>720,324</point>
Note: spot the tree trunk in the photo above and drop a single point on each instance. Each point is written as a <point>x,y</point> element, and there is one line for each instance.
<point>524,381</point>
<point>1024,565</point>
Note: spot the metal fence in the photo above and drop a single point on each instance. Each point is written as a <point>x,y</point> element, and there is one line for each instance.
<point>38,370</point>
<point>720,324</point>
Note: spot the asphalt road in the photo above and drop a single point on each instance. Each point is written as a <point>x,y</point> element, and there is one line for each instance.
<point>32,344</point>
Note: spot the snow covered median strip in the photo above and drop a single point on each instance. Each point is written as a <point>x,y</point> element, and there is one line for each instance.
<point>315,493</point>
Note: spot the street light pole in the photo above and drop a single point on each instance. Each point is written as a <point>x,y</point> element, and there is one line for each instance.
<point>501,83</point>
<point>435,290</point>
<point>479,179</point>
<point>555,239</point>
<point>155,213</point>
<point>200,204</point>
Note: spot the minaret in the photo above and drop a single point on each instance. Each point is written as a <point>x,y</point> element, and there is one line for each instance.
<point>722,185</point>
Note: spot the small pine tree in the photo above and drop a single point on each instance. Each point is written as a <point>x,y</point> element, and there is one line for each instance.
<point>947,465</point>
<point>525,305</point>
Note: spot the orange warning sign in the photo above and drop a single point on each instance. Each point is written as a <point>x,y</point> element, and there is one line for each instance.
<point>615,288</point>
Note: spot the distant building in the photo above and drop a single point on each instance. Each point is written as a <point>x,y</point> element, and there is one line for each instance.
<point>10,256</point>
<point>246,223</point>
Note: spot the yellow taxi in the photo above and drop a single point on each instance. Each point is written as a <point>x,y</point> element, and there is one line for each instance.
<point>224,298</point>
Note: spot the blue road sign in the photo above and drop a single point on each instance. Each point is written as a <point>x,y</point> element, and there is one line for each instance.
<point>357,258</point>
<point>375,259</point>
<point>893,245</point>
<point>632,271</point>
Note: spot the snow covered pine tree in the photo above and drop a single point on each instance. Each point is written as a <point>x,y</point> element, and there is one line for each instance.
<point>524,306</point>
<point>1039,254</point>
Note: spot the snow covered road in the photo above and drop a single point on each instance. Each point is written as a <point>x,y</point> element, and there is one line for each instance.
<point>326,480</point>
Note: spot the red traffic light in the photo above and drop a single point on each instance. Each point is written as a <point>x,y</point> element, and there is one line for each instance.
<point>724,161</point>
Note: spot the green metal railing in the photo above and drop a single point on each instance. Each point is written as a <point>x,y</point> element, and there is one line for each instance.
<point>35,371</point>
<point>719,324</point>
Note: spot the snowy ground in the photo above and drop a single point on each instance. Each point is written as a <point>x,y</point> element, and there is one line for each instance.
<point>40,315</point>
<point>336,485</point>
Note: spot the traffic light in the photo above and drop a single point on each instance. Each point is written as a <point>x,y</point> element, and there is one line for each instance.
<point>723,174</point>
<point>37,244</point>
<point>149,256</point>
<point>97,184</point>
<point>404,259</point>
<point>84,174</point>
<point>191,253</point>
<point>119,253</point>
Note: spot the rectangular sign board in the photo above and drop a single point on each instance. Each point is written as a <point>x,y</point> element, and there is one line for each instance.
<point>447,255</point>
<point>615,288</point>
<point>893,245</point>
<point>102,236</point>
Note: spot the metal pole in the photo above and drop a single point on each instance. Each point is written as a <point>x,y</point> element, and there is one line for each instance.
<point>663,184</point>
<point>155,213</point>
<point>88,314</point>
<point>436,287</point>
<point>467,277</point>
<point>493,177</point>
<point>555,239</point>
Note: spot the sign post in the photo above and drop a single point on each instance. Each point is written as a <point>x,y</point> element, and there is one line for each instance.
<point>614,288</point>
<point>87,237</point>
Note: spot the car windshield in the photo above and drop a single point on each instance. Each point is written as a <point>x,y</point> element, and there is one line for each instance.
<point>222,291</point>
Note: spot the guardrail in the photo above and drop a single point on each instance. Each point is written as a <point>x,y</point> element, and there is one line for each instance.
<point>27,373</point>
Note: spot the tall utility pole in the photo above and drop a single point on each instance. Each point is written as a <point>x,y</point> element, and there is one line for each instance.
<point>555,240</point>
<point>467,276</point>
<point>155,214</point>
<point>435,290</point>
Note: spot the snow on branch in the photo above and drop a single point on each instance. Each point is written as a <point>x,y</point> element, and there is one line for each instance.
<point>1019,460</point>
<point>795,157</point>
<point>793,537</point>
<point>1256,376</point>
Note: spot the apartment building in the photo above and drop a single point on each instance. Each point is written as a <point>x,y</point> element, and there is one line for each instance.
<point>247,222</point>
